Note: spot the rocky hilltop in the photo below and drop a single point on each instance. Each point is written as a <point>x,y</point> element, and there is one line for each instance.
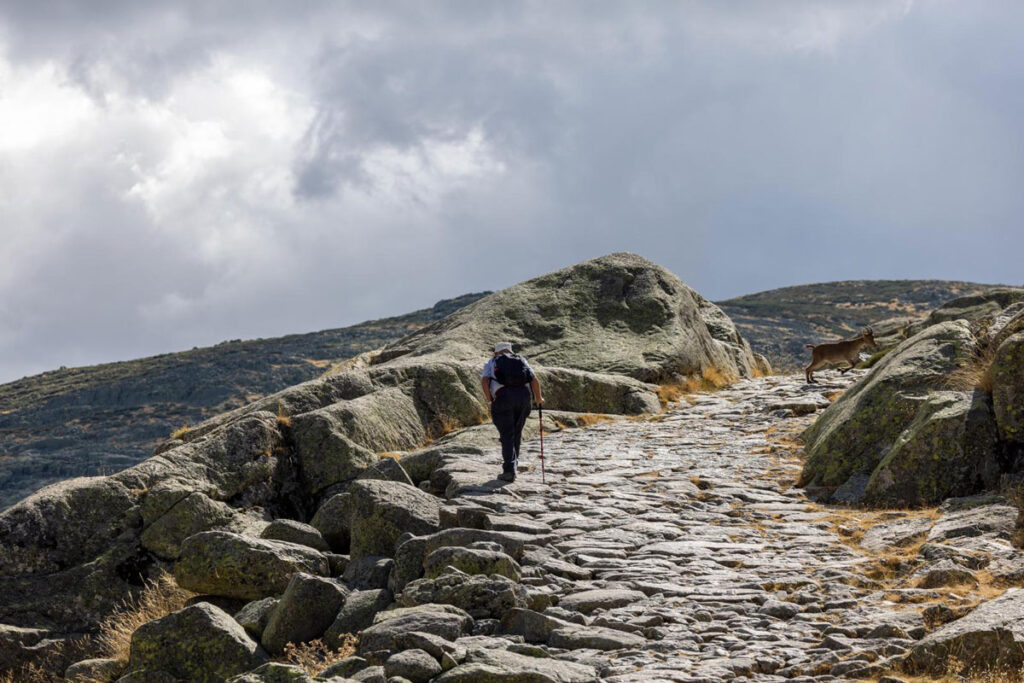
<point>103,418</point>
<point>597,334</point>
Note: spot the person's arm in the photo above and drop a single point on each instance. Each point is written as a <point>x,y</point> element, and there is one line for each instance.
<point>485,384</point>
<point>535,385</point>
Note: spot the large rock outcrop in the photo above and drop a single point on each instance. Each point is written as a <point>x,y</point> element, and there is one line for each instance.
<point>891,439</point>
<point>619,314</point>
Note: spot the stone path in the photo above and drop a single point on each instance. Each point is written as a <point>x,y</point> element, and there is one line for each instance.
<point>683,529</point>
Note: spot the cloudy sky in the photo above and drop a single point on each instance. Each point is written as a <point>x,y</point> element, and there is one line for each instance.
<point>175,174</point>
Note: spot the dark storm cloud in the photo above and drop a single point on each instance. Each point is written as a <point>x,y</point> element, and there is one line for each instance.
<point>200,171</point>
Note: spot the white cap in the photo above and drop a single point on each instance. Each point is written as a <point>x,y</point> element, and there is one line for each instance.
<point>503,346</point>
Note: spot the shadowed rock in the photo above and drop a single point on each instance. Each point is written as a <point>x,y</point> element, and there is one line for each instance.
<point>1008,388</point>
<point>357,613</point>
<point>306,609</point>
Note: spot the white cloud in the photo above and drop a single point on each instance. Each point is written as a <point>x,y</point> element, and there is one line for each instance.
<point>174,174</point>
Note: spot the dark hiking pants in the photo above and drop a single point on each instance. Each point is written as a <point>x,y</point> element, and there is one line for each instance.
<point>509,411</point>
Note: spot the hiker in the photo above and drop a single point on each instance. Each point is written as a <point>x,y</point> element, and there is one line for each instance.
<point>509,384</point>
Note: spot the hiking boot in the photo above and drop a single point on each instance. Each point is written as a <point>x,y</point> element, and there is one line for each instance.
<point>507,476</point>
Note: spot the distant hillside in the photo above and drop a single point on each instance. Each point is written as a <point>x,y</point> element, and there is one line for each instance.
<point>103,418</point>
<point>779,322</point>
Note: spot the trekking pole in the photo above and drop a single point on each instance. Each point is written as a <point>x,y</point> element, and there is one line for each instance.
<point>540,419</point>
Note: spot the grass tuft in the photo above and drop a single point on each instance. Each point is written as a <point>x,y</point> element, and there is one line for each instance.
<point>710,379</point>
<point>158,599</point>
<point>284,421</point>
<point>975,373</point>
<point>314,656</point>
<point>444,424</point>
<point>589,419</point>
<point>180,432</point>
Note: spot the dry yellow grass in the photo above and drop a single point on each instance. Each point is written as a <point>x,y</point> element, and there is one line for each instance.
<point>710,379</point>
<point>283,420</point>
<point>314,656</point>
<point>30,673</point>
<point>160,598</point>
<point>975,373</point>
<point>590,419</point>
<point>180,432</point>
<point>444,424</point>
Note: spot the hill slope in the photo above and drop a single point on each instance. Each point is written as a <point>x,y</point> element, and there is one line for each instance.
<point>102,418</point>
<point>779,322</point>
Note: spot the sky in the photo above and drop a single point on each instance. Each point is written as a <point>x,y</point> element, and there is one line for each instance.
<point>174,174</point>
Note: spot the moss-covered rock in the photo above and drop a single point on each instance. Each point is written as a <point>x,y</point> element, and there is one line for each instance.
<point>618,314</point>
<point>333,520</point>
<point>381,511</point>
<point>326,454</point>
<point>388,627</point>
<point>858,431</point>
<point>93,670</point>
<point>472,561</point>
<point>1008,388</point>
<point>293,531</point>
<point>481,596</point>
<point>356,614</point>
<point>590,392</point>
<point>198,643</point>
<point>253,616</point>
<point>229,565</point>
<point>275,672</point>
<point>195,513</point>
<point>949,449</point>
<point>306,609</point>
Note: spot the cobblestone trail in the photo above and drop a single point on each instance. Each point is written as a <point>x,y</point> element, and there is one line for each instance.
<point>683,529</point>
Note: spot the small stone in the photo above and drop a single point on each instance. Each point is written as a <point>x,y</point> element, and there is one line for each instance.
<point>588,601</point>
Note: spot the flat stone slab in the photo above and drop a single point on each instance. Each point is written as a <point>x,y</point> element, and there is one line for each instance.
<point>895,534</point>
<point>588,601</point>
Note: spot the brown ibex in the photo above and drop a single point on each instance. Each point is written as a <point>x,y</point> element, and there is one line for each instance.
<point>847,350</point>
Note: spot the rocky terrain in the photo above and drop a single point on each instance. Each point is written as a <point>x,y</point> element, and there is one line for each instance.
<point>778,322</point>
<point>360,512</point>
<point>103,418</point>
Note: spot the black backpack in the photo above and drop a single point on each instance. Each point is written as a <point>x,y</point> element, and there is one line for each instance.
<point>511,371</point>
